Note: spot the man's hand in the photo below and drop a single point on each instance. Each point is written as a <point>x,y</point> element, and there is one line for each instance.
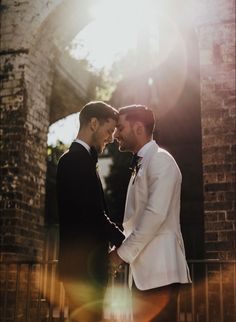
<point>117,264</point>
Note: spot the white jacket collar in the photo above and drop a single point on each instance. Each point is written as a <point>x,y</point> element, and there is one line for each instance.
<point>144,150</point>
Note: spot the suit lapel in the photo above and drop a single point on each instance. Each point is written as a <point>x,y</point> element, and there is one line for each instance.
<point>132,187</point>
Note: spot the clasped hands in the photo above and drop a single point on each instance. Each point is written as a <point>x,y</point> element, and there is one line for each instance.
<point>117,264</point>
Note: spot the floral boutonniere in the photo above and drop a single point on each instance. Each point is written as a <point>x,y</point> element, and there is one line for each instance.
<point>135,168</point>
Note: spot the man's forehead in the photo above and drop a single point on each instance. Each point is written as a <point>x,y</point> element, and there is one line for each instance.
<point>122,118</point>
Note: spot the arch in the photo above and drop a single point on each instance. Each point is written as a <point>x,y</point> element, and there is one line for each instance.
<point>47,48</point>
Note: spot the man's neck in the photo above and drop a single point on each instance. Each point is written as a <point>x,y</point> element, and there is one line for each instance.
<point>141,144</point>
<point>84,138</point>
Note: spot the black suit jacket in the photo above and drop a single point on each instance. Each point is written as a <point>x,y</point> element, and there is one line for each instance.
<point>85,230</point>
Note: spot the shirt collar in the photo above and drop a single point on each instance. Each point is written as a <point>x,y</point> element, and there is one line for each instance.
<point>145,148</point>
<point>87,147</point>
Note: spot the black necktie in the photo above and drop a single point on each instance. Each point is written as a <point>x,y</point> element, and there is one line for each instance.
<point>94,154</point>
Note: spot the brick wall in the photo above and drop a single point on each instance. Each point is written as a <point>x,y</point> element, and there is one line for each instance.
<point>20,204</point>
<point>26,79</point>
<point>32,35</point>
<point>25,90</point>
<point>216,31</point>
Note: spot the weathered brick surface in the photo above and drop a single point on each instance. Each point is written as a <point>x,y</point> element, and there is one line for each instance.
<point>25,89</point>
<point>216,30</point>
<point>21,21</point>
<point>23,143</point>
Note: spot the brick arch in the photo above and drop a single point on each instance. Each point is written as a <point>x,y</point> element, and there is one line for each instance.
<point>47,47</point>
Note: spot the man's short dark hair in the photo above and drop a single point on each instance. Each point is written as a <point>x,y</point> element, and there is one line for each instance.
<point>139,113</point>
<point>102,111</point>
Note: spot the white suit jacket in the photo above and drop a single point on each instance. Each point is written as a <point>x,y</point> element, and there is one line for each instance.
<point>154,246</point>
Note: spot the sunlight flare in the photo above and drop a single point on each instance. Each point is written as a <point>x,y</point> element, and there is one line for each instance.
<point>118,26</point>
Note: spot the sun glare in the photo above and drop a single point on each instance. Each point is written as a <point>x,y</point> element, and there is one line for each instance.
<point>117,27</point>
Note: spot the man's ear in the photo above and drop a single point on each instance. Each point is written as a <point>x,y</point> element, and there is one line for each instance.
<point>94,123</point>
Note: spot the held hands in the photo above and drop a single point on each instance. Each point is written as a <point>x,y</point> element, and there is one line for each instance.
<point>117,264</point>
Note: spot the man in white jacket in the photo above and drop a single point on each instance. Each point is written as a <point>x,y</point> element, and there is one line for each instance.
<point>153,247</point>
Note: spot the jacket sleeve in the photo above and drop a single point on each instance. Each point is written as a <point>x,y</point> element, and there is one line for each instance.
<point>162,175</point>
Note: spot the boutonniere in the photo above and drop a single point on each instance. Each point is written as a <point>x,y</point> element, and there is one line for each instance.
<point>136,170</point>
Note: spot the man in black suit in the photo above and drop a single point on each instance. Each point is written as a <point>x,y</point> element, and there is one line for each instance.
<point>85,229</point>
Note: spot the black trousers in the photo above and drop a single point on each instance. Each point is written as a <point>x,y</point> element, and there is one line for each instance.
<point>156,305</point>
